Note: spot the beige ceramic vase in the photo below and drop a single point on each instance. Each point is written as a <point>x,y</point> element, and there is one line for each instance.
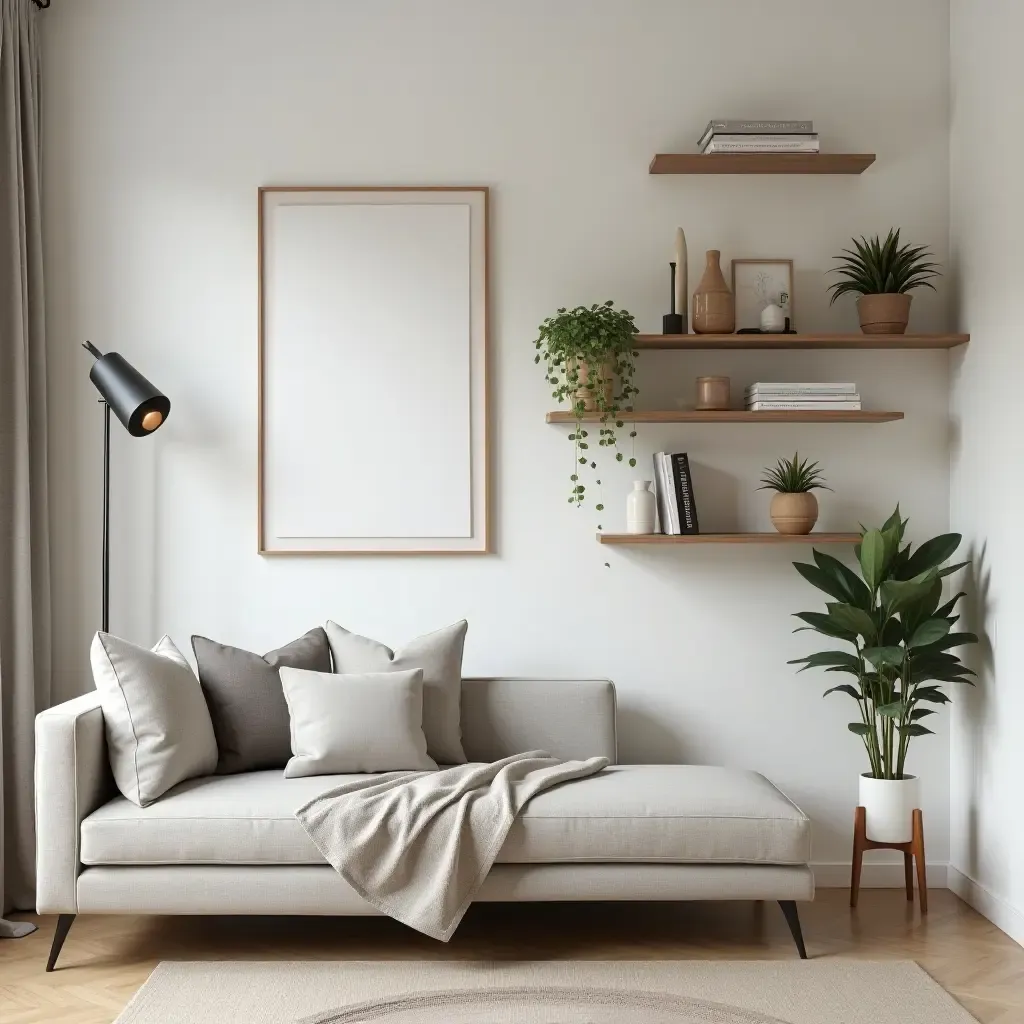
<point>714,309</point>
<point>583,393</point>
<point>794,514</point>
<point>884,314</point>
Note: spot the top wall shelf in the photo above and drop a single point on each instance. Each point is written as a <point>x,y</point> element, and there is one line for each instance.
<point>710,342</point>
<point>761,163</point>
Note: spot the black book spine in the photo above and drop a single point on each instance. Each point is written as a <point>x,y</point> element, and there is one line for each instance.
<point>684,493</point>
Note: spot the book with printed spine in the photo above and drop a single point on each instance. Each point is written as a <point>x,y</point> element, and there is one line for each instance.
<point>805,406</point>
<point>803,396</point>
<point>762,144</point>
<point>685,501</point>
<point>786,387</point>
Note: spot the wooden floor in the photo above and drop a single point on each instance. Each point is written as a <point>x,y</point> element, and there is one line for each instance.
<point>107,958</point>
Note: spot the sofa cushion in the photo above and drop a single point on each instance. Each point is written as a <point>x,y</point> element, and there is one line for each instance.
<point>627,813</point>
<point>247,705</point>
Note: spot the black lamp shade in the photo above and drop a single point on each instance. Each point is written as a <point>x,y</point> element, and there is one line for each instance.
<point>135,402</point>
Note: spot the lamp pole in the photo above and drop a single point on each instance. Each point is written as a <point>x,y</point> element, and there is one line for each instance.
<point>106,517</point>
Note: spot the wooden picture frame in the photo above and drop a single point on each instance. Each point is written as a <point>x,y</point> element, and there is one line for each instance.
<point>746,303</point>
<point>373,426</point>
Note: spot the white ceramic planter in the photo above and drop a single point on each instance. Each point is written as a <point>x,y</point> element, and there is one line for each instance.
<point>888,805</point>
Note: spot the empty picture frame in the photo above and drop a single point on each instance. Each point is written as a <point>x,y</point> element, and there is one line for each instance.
<point>373,370</point>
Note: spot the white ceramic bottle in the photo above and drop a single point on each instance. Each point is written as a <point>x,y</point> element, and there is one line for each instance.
<point>640,508</point>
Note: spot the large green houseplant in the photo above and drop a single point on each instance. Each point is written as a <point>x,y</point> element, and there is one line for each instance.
<point>588,357</point>
<point>883,274</point>
<point>901,639</point>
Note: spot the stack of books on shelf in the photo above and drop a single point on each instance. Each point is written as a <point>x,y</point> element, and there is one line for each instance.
<point>759,137</point>
<point>673,488</point>
<point>767,396</point>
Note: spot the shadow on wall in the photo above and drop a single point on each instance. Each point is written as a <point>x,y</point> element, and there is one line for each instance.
<point>645,739</point>
<point>976,709</point>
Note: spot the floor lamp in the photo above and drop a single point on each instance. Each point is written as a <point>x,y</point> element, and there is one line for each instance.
<point>141,408</point>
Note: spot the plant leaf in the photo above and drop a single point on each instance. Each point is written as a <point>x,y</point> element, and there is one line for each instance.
<point>859,728</point>
<point>853,619</point>
<point>879,656</point>
<point>913,729</point>
<point>828,658</point>
<point>931,554</point>
<point>843,688</point>
<point>872,558</point>
<point>929,632</point>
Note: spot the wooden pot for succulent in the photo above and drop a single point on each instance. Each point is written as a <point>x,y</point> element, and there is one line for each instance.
<point>794,514</point>
<point>714,309</point>
<point>583,392</point>
<point>884,314</point>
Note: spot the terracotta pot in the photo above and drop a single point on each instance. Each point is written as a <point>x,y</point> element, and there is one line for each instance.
<point>714,309</point>
<point>583,393</point>
<point>884,314</point>
<point>794,513</point>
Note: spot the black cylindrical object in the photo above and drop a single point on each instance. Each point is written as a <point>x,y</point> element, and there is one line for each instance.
<point>134,401</point>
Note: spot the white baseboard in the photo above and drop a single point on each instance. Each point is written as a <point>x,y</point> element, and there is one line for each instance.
<point>876,875</point>
<point>1005,916</point>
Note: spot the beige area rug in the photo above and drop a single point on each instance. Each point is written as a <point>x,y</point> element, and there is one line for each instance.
<point>550,992</point>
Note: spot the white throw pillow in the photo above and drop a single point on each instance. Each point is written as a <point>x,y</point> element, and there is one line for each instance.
<point>439,654</point>
<point>158,727</point>
<point>355,723</point>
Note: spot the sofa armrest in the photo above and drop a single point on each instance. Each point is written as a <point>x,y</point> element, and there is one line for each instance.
<point>72,778</point>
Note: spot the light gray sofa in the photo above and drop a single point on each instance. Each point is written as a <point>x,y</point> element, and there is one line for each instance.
<point>228,844</point>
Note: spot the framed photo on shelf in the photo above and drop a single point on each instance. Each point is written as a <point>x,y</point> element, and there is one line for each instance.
<point>756,284</point>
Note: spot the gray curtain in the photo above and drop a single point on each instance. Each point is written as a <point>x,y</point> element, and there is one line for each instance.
<point>24,545</point>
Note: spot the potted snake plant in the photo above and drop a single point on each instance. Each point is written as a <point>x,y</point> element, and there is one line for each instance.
<point>890,612</point>
<point>883,274</point>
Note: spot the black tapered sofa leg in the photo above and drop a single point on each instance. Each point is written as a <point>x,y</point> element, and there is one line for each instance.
<point>793,920</point>
<point>64,923</point>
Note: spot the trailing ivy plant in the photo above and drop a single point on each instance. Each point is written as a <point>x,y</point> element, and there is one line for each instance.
<point>901,636</point>
<point>599,338</point>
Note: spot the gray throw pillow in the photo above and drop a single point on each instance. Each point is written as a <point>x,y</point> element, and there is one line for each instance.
<point>355,723</point>
<point>158,728</point>
<point>247,705</point>
<point>439,655</point>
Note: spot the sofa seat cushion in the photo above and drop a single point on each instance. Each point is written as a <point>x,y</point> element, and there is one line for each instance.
<point>627,813</point>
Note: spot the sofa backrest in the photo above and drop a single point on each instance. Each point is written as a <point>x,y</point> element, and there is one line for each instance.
<point>571,718</point>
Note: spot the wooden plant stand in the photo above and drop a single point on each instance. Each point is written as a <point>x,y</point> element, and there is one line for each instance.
<point>912,850</point>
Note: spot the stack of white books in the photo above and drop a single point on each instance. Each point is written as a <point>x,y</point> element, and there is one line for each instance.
<point>724,136</point>
<point>765,396</point>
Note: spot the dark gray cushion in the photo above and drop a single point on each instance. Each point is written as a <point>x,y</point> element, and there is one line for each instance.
<point>243,692</point>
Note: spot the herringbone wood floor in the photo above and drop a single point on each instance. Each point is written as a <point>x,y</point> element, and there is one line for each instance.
<point>107,958</point>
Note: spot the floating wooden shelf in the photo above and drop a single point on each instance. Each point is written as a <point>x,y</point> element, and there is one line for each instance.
<point>799,341</point>
<point>735,416</point>
<point>761,163</point>
<point>729,538</point>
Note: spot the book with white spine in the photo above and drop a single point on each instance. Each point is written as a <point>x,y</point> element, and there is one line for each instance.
<point>797,387</point>
<point>806,406</point>
<point>758,144</point>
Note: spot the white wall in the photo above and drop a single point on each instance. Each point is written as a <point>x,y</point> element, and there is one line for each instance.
<point>987,764</point>
<point>163,118</point>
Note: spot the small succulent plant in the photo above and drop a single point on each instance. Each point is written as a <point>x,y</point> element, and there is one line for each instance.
<point>883,268</point>
<point>793,476</point>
